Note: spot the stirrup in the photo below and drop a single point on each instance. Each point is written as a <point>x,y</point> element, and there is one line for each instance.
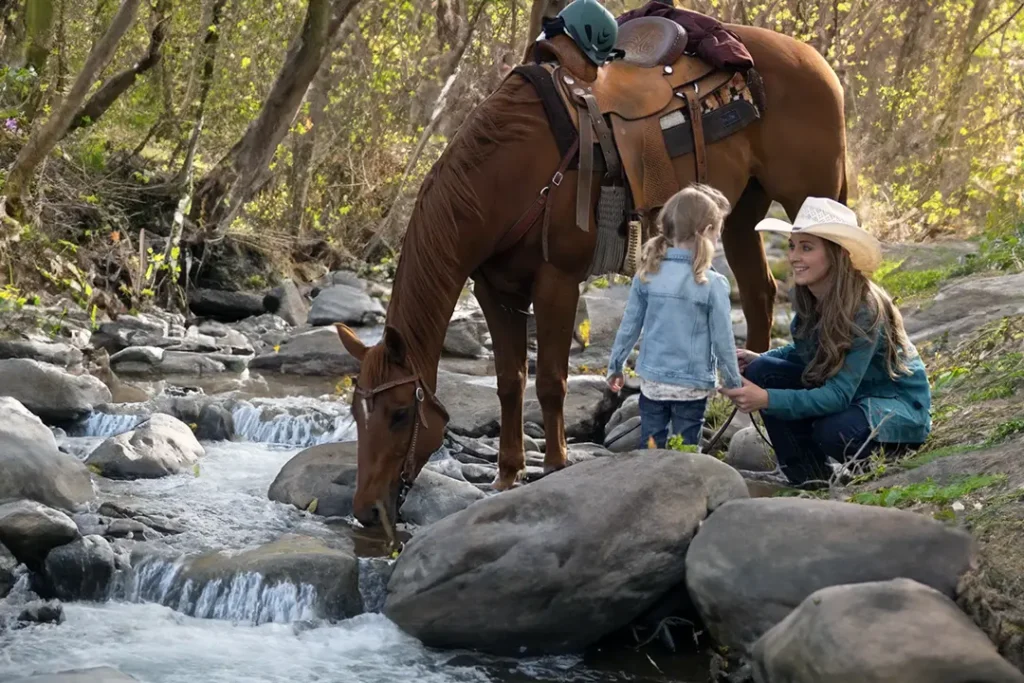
<point>631,264</point>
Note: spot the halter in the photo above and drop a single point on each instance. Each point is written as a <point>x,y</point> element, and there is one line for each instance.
<point>408,465</point>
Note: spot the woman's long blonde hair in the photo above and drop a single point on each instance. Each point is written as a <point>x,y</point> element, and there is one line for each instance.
<point>696,212</point>
<point>849,290</point>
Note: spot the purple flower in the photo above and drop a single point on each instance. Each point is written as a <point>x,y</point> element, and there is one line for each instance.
<point>11,124</point>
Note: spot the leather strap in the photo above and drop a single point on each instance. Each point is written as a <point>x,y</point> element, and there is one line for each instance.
<point>697,126</point>
<point>530,216</point>
<point>604,137</point>
<point>586,175</point>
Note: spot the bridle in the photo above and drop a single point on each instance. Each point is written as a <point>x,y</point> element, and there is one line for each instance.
<point>422,393</point>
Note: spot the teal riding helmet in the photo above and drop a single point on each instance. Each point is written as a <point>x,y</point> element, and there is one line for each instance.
<point>592,27</point>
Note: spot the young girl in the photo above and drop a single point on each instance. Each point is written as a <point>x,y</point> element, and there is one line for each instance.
<point>851,381</point>
<point>682,306</point>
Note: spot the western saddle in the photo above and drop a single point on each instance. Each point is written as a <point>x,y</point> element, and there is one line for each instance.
<point>626,107</point>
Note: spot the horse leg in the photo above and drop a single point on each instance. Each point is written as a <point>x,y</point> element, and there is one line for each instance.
<point>555,296</point>
<point>744,251</point>
<point>507,325</point>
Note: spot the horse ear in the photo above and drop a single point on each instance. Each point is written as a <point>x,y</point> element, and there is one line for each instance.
<point>355,347</point>
<point>395,345</point>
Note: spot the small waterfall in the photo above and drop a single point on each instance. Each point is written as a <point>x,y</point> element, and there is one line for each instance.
<point>242,597</point>
<point>293,421</point>
<point>106,424</point>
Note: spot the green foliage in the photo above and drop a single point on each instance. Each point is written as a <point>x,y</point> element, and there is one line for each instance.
<point>925,457</point>
<point>676,442</point>
<point>910,283</point>
<point>926,492</point>
<point>1005,430</point>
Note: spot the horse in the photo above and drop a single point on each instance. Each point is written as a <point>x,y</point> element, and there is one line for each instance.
<point>490,174</point>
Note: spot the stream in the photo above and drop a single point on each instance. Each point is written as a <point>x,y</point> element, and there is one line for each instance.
<point>250,631</point>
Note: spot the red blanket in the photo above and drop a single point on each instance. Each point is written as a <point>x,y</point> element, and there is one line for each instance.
<point>706,37</point>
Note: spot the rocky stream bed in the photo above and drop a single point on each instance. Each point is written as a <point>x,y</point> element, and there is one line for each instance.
<point>177,507</point>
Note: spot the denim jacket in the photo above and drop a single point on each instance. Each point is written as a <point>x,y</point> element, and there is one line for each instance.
<point>687,327</point>
<point>898,409</point>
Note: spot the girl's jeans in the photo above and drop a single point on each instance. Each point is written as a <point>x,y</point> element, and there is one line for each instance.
<point>802,447</point>
<point>686,418</point>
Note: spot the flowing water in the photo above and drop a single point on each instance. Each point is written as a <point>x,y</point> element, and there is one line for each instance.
<point>242,629</point>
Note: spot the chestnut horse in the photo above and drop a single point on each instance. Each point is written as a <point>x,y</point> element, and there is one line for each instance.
<point>487,177</point>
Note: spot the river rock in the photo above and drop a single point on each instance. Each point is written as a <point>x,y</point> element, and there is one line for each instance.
<point>755,560</point>
<point>317,576</point>
<point>966,305</point>
<point>42,350</point>
<point>33,467</point>
<point>42,612</point>
<point>216,423</point>
<point>31,530</point>
<point>160,446</point>
<point>97,674</point>
<point>625,437</point>
<point>895,631</point>
<point>8,565</point>
<point>314,352</point>
<point>748,451</point>
<point>467,334</point>
<point>629,409</point>
<point>588,404</point>
<point>286,301</point>
<point>224,306</point>
<point>49,391</point>
<point>80,570</point>
<point>434,496</point>
<point>344,304</point>
<point>554,566</point>
<point>325,473</point>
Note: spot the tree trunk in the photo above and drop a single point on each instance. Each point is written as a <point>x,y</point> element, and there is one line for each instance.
<point>326,80</point>
<point>227,187</point>
<point>102,99</point>
<point>908,50</point>
<point>43,139</point>
<point>39,29</point>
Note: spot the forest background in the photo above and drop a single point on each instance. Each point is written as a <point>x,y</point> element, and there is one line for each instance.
<point>149,147</point>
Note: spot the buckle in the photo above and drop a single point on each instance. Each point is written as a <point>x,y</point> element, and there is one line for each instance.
<point>420,395</point>
<point>557,178</point>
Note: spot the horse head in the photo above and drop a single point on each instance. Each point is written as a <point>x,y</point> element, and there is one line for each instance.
<point>399,423</point>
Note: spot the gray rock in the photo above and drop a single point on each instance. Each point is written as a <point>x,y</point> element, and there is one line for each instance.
<point>8,565</point>
<point>602,541</point>
<point>448,466</point>
<point>127,360</point>
<point>479,473</point>
<point>223,334</point>
<point>315,352</point>
<point>604,310</point>
<point>195,364</point>
<point>286,301</point>
<point>81,570</point>
<point>629,409</point>
<point>895,631</point>
<point>755,560</point>
<point>31,530</point>
<point>33,467</point>
<point>964,306</point>
<point>215,423</point>
<point>55,353</point>
<point>344,304</point>
<point>42,612</point>
<point>748,451</point>
<point>467,334</point>
<point>49,391</point>
<point>160,446</point>
<point>625,437</point>
<point>342,277</point>
<point>588,404</point>
<point>225,306</point>
<point>326,473</point>
<point>97,674</point>
<point>434,496</point>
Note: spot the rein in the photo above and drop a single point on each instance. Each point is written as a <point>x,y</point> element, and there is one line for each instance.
<point>422,393</point>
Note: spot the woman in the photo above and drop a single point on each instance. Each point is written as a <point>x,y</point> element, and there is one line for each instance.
<point>851,376</point>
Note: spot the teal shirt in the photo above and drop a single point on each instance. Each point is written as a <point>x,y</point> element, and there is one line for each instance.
<point>899,409</point>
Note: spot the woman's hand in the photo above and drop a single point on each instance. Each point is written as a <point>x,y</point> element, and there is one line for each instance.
<point>748,398</point>
<point>616,382</point>
<point>745,358</point>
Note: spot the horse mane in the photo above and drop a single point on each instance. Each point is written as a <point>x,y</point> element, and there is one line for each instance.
<point>430,270</point>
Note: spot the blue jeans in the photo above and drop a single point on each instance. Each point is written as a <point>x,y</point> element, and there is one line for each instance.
<point>803,447</point>
<point>686,417</point>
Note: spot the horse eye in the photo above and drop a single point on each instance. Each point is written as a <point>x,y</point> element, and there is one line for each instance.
<point>399,418</point>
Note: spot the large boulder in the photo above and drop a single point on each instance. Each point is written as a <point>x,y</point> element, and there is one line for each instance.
<point>224,306</point>
<point>294,577</point>
<point>31,465</point>
<point>588,405</point>
<point>556,565</point>
<point>44,351</point>
<point>344,304</point>
<point>966,305</point>
<point>286,301</point>
<point>80,570</point>
<point>324,473</point>
<point>96,674</point>
<point>434,496</point>
<point>160,446</point>
<point>748,451</point>
<point>31,530</point>
<point>49,391</point>
<point>314,352</point>
<point>755,560</point>
<point>472,403</point>
<point>895,631</point>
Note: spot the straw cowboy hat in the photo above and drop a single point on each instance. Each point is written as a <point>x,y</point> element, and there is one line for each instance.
<point>830,220</point>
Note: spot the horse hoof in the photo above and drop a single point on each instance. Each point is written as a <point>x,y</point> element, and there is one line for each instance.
<point>548,469</point>
<point>505,482</point>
